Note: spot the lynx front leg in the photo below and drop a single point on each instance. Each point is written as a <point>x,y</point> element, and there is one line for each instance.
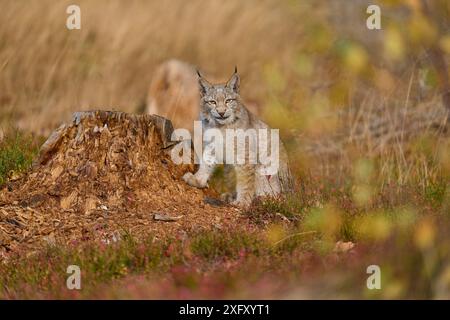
<point>245,185</point>
<point>201,177</point>
<point>206,168</point>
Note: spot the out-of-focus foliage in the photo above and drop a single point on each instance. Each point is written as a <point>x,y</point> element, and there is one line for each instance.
<point>360,111</point>
<point>373,88</point>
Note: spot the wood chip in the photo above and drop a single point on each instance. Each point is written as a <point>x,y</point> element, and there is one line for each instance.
<point>71,194</point>
<point>165,217</point>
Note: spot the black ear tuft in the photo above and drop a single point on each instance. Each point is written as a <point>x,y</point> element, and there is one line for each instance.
<point>204,85</point>
<point>233,83</point>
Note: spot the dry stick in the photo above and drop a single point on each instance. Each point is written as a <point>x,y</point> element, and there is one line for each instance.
<point>405,111</point>
<point>293,235</point>
<point>407,102</point>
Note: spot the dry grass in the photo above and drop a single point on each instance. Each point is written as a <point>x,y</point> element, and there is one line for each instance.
<point>360,112</point>
<point>47,71</point>
<point>299,68</point>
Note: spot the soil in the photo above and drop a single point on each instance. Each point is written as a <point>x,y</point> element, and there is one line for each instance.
<point>103,175</point>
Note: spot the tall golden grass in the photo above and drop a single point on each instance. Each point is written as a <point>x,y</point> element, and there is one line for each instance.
<point>47,71</point>
<point>337,90</point>
<point>359,107</point>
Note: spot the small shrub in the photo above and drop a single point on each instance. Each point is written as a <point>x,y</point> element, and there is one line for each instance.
<point>16,154</point>
<point>264,210</point>
<point>213,245</point>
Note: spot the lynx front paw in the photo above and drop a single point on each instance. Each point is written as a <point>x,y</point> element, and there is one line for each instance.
<point>192,180</point>
<point>228,197</point>
<point>242,202</point>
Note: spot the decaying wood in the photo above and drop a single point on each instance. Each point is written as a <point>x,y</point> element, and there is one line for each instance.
<point>104,119</point>
<point>100,175</point>
<point>166,218</point>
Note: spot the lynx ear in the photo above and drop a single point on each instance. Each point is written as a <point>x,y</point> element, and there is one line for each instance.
<point>233,83</point>
<point>204,85</point>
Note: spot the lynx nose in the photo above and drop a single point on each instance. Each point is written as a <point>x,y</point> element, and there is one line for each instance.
<point>221,113</point>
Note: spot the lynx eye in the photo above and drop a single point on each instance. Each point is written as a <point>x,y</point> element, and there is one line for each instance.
<point>211,102</point>
<point>229,100</point>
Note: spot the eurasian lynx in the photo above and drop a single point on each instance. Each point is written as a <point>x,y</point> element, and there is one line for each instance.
<point>221,108</point>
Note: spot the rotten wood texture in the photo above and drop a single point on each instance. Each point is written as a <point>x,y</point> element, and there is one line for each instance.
<point>102,174</point>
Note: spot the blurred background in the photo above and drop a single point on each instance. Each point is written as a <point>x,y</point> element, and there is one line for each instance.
<point>312,68</point>
<point>363,112</point>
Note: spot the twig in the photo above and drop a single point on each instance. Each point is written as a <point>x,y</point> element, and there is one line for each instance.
<point>293,235</point>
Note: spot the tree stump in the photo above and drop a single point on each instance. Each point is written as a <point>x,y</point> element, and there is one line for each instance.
<point>100,175</point>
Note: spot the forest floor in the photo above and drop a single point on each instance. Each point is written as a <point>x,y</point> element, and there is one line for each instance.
<point>137,231</point>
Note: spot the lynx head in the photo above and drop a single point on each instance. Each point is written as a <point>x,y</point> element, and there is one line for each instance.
<point>220,104</point>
